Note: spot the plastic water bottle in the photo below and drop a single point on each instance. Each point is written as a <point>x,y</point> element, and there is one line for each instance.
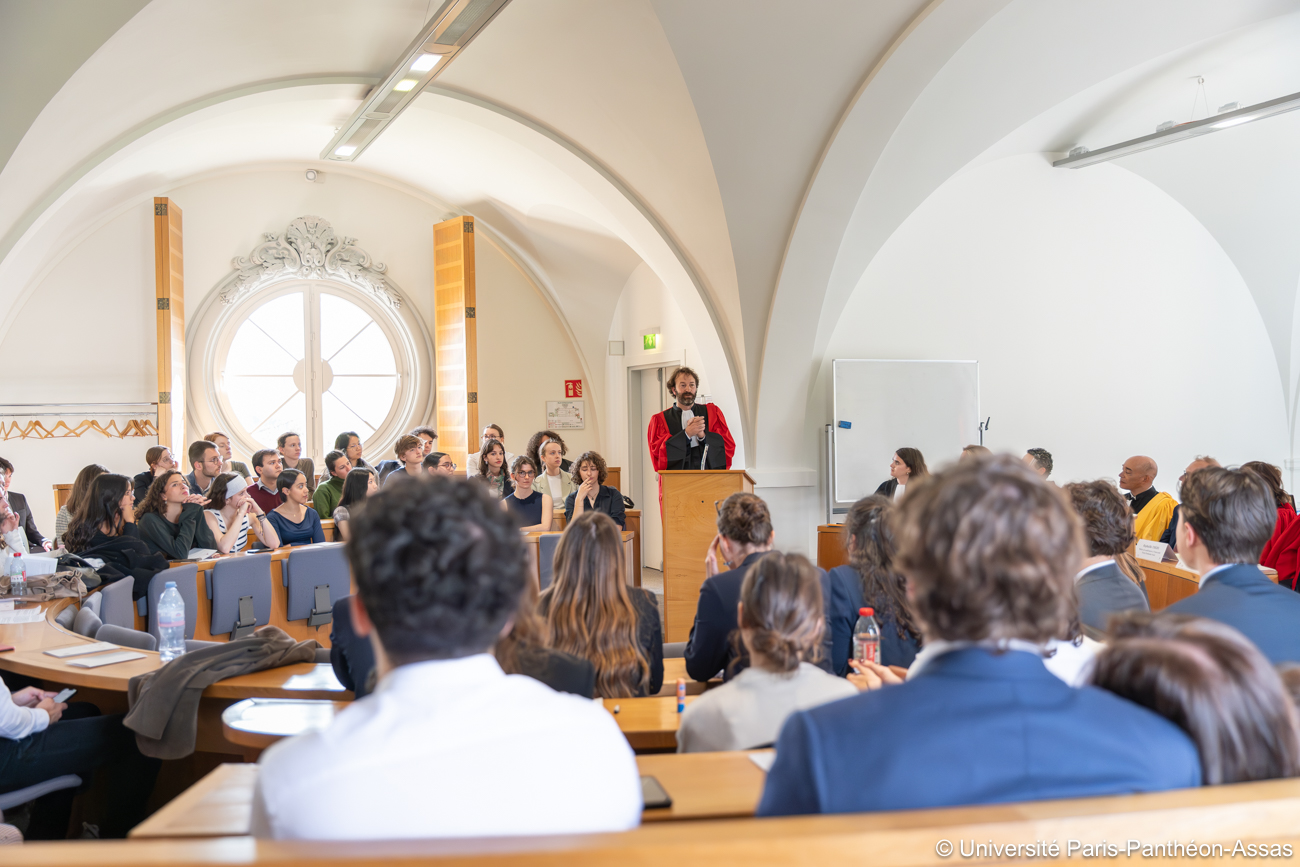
<point>866,637</point>
<point>17,575</point>
<point>171,623</point>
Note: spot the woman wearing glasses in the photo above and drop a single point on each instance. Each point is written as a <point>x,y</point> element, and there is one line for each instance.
<point>439,462</point>
<point>533,507</point>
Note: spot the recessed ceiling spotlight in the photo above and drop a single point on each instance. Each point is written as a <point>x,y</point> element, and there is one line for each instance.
<point>425,62</point>
<point>405,84</point>
<point>311,174</point>
<point>345,150</point>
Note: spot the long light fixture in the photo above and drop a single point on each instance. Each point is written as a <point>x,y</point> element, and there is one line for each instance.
<point>452,27</point>
<point>1195,128</point>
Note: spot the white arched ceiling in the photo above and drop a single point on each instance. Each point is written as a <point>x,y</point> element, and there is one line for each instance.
<point>967,76</point>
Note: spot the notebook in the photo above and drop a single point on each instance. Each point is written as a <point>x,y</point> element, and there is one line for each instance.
<point>80,649</point>
<point>106,659</point>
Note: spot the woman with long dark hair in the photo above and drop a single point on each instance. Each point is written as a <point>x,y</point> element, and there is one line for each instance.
<point>906,467</point>
<point>171,518</point>
<point>80,493</point>
<point>871,581</point>
<point>592,613</point>
<point>492,469</point>
<point>294,520</point>
<point>105,529</point>
<point>359,484</point>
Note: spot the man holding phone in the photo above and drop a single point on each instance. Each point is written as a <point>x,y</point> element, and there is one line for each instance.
<point>41,738</point>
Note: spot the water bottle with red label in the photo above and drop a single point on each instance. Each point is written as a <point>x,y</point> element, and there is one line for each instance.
<point>866,637</point>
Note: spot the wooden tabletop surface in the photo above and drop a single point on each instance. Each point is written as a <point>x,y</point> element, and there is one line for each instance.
<point>701,785</point>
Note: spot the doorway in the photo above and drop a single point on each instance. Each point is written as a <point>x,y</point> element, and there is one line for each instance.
<point>647,396</point>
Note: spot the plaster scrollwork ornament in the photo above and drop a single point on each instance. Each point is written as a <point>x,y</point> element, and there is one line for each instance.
<point>308,249</point>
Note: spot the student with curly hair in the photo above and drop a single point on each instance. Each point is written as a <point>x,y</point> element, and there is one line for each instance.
<point>781,625</point>
<point>590,491</point>
<point>171,518</point>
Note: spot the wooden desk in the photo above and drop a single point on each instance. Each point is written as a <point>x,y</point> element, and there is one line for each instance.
<point>675,668</point>
<point>531,540</point>
<point>648,723</point>
<point>702,786</point>
<point>256,723</point>
<point>832,549</point>
<point>1253,813</point>
<point>632,523</point>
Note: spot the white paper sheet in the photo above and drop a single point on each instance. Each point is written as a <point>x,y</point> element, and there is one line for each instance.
<point>106,659</point>
<point>22,615</point>
<point>80,649</point>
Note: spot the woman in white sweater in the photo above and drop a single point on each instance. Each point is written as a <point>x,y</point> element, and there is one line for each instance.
<point>782,621</point>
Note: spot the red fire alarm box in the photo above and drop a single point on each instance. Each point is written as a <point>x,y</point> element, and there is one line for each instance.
<point>573,388</point>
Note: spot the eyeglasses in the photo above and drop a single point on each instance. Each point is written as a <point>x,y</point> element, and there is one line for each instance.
<point>450,465</point>
<point>526,474</point>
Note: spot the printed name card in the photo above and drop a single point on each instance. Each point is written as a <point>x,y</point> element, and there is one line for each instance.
<point>1153,551</point>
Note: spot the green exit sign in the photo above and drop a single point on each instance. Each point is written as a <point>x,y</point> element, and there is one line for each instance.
<point>650,341</point>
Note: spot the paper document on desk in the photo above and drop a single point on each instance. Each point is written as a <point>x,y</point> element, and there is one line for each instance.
<point>80,649</point>
<point>41,564</point>
<point>106,659</point>
<point>202,553</point>
<point>22,615</point>
<point>763,760</point>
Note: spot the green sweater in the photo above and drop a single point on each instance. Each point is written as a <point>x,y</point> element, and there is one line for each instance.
<point>327,496</point>
<point>175,540</point>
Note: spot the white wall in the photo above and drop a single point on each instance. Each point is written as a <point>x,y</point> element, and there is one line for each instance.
<point>87,332</point>
<point>1106,320</point>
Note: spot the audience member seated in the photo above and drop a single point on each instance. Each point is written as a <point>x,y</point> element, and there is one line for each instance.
<point>491,433</point>
<point>1040,461</point>
<point>1154,509</point>
<point>295,522</point>
<point>1227,517</point>
<point>12,538</point>
<point>171,519</point>
<point>782,621</point>
<point>349,443</point>
<point>1286,515</point>
<point>18,505</point>
<point>438,463</point>
<point>41,739</point>
<point>538,441</point>
<point>871,581</point>
<point>76,498</point>
<point>534,510</point>
<point>222,442</point>
<point>588,491</point>
<point>428,438</point>
<point>744,535</point>
<point>907,466</point>
<point>105,529</point>
<point>159,459</point>
<point>290,447</point>
<point>551,477</point>
<point>492,470</point>
<point>230,506</point>
<point>989,552</point>
<point>974,451</point>
<point>1210,681</point>
<point>449,745</point>
<point>1199,462</point>
<point>330,491</point>
<point>1101,587</point>
<point>591,611</point>
<point>206,463</point>
<point>410,455</point>
<point>359,484</point>
<point>267,465</point>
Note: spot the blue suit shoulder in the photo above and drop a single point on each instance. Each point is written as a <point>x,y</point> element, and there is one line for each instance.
<point>1244,598</point>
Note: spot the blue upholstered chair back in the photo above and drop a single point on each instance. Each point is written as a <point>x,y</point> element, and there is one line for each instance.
<point>115,603</point>
<point>307,568</point>
<point>546,545</point>
<point>229,579</point>
<point>186,576</point>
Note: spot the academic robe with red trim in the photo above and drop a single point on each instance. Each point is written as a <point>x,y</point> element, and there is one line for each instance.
<point>661,432</point>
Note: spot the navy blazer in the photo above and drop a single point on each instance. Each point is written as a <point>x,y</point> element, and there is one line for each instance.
<point>709,648</point>
<point>1104,591</point>
<point>608,500</point>
<point>842,616</point>
<point>888,487</point>
<point>1170,535</point>
<point>1243,597</point>
<point>975,727</point>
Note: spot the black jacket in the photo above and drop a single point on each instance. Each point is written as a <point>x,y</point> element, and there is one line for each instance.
<point>608,500</point>
<point>140,483</point>
<point>887,488</point>
<point>125,554</point>
<point>18,505</point>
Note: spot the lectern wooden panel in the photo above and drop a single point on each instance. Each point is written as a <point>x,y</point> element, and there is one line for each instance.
<point>690,523</point>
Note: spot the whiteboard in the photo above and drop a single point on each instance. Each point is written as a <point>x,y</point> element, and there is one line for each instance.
<point>933,406</point>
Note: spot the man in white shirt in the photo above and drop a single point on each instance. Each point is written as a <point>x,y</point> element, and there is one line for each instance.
<point>448,745</point>
<point>490,433</point>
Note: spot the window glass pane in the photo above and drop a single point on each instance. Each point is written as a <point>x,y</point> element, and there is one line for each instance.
<point>254,352</point>
<point>339,415</point>
<point>340,321</point>
<point>368,353</point>
<point>288,414</point>
<point>281,320</point>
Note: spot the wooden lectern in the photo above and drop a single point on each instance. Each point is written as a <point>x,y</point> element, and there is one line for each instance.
<point>690,523</point>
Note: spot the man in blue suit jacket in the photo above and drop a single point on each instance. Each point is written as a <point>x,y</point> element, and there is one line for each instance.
<point>1226,519</point>
<point>984,722</point>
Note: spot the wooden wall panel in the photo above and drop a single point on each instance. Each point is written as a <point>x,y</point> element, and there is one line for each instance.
<point>455,337</point>
<point>169,280</point>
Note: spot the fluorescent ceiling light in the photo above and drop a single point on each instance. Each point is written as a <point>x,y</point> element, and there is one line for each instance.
<point>451,28</point>
<point>1259,111</point>
<point>425,62</point>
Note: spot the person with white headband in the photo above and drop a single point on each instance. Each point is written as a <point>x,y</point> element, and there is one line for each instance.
<point>229,508</point>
